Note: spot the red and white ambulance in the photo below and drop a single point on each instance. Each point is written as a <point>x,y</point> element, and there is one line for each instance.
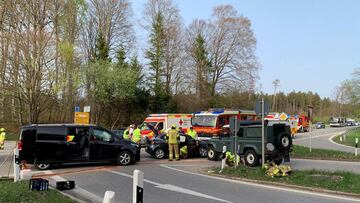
<point>162,122</point>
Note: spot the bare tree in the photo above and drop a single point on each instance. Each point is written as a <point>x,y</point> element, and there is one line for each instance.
<point>111,18</point>
<point>232,51</point>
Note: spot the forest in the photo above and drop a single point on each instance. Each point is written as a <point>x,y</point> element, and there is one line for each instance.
<point>58,54</point>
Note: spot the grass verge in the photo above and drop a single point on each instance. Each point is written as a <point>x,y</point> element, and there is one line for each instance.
<point>325,154</point>
<point>335,181</point>
<point>20,192</point>
<point>12,136</point>
<point>350,138</point>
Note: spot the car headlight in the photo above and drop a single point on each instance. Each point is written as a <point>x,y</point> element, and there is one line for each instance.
<point>270,147</point>
<point>134,145</point>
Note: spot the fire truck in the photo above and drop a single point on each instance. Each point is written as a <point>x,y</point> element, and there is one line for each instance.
<point>162,122</point>
<point>210,123</point>
<point>302,122</point>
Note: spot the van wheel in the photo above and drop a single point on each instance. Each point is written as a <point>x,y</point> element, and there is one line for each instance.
<point>159,153</point>
<point>124,158</point>
<point>211,154</point>
<point>251,158</point>
<point>42,165</point>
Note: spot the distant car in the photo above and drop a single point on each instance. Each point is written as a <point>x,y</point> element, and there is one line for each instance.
<point>159,149</point>
<point>319,125</point>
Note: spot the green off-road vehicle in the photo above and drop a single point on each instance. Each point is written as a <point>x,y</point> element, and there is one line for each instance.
<point>278,142</point>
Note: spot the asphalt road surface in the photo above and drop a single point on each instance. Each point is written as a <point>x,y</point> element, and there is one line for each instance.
<point>321,138</point>
<point>178,182</point>
<point>181,181</point>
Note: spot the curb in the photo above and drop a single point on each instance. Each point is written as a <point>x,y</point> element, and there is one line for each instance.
<point>318,158</point>
<point>311,189</point>
<point>68,195</point>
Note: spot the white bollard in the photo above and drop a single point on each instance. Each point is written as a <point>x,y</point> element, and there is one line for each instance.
<point>16,165</point>
<point>340,138</point>
<point>356,146</point>
<point>223,159</point>
<point>109,197</point>
<point>138,186</point>
<point>25,174</point>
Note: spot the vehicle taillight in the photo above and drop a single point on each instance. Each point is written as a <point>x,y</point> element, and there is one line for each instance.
<point>20,145</point>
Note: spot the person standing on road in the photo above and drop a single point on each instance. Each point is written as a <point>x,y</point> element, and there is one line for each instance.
<point>2,138</point>
<point>172,137</point>
<point>136,137</point>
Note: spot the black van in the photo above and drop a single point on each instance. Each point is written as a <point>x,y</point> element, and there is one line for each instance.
<point>48,144</point>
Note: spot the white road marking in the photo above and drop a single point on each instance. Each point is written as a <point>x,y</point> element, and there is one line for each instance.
<point>172,187</point>
<point>265,186</point>
<point>312,137</point>
<point>332,141</point>
<point>77,189</point>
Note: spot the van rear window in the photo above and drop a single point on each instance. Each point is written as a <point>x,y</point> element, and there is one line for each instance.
<point>51,133</point>
<point>28,135</point>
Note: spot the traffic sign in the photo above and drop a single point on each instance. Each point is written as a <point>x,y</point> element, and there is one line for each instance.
<point>86,108</point>
<point>283,116</point>
<point>258,107</point>
<point>82,118</point>
<point>77,108</point>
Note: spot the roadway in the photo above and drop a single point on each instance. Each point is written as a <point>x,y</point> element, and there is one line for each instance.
<point>321,138</point>
<point>182,182</point>
<point>178,182</point>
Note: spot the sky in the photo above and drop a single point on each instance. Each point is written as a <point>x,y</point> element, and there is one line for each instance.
<point>308,45</point>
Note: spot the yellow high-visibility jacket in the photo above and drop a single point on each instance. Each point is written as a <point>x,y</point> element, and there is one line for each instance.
<point>172,136</point>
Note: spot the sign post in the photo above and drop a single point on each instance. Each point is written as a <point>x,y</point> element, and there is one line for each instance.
<point>310,112</point>
<point>262,134</point>
<point>235,143</point>
<point>262,107</point>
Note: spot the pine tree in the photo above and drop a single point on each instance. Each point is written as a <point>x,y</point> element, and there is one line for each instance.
<point>156,53</point>
<point>101,48</point>
<point>202,65</point>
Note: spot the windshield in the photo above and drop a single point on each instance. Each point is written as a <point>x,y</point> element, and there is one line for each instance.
<point>204,120</point>
<point>145,125</point>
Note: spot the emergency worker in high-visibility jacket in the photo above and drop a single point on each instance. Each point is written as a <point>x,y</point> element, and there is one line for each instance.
<point>136,137</point>
<point>193,133</point>
<point>172,137</point>
<point>126,134</point>
<point>2,138</point>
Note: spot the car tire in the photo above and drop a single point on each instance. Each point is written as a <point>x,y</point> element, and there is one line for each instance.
<point>124,158</point>
<point>159,153</point>
<point>251,158</point>
<point>284,141</point>
<point>212,154</point>
<point>42,165</point>
<point>203,152</point>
